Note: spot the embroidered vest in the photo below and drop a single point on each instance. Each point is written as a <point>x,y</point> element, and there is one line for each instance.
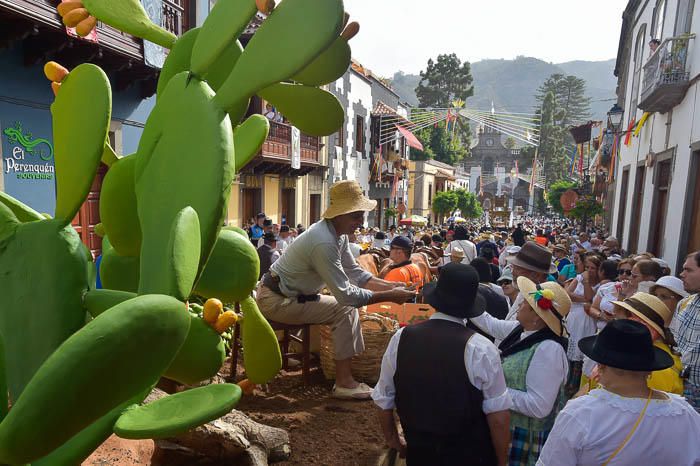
<point>515,368</point>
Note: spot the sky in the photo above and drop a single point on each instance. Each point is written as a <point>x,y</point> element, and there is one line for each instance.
<point>404,34</point>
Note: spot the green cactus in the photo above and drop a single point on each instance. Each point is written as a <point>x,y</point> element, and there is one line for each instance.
<point>72,384</point>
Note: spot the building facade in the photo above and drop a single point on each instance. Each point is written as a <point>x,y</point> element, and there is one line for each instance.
<point>426,179</point>
<point>494,172</point>
<point>656,204</point>
<point>32,34</point>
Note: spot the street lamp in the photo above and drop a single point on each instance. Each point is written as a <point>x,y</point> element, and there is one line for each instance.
<point>615,118</point>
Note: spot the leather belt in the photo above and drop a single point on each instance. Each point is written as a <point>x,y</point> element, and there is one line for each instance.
<point>273,284</point>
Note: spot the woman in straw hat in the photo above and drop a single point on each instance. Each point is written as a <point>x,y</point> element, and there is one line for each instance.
<point>653,313</point>
<point>624,422</point>
<point>534,363</point>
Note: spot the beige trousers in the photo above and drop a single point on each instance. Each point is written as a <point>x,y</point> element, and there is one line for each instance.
<point>344,320</point>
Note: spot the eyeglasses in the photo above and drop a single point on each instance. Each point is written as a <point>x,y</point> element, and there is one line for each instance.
<point>624,272</point>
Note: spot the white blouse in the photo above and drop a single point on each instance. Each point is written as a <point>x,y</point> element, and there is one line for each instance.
<point>579,324</point>
<point>548,369</point>
<point>590,428</point>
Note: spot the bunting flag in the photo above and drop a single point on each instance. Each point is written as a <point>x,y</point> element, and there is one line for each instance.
<point>394,186</point>
<point>614,150</point>
<point>572,166</point>
<point>580,160</point>
<point>628,138</point>
<point>641,123</point>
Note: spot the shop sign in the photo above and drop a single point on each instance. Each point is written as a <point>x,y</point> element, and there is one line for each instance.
<point>296,148</point>
<point>27,157</point>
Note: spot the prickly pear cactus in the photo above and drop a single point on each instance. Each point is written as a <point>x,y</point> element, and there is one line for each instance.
<point>72,384</point>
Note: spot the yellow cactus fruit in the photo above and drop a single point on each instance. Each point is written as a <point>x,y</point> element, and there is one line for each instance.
<point>86,26</point>
<point>73,17</point>
<point>64,8</point>
<point>549,294</point>
<point>212,310</point>
<point>350,31</point>
<point>247,386</point>
<point>55,71</point>
<point>55,87</point>
<point>225,321</point>
<point>265,6</point>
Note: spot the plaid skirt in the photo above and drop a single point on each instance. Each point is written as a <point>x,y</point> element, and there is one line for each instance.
<point>525,446</point>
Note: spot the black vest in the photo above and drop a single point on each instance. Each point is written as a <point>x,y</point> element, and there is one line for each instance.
<point>265,255</point>
<point>433,393</point>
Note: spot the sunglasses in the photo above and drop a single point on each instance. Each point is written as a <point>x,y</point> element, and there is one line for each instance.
<point>624,272</point>
<point>505,282</point>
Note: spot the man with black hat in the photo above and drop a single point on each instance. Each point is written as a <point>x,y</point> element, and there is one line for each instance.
<point>445,382</point>
<point>624,422</point>
<point>268,252</point>
<point>401,268</point>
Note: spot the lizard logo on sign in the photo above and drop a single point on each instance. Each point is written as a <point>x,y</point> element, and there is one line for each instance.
<point>30,156</point>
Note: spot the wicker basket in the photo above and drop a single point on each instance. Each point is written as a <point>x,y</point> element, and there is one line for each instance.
<point>377,330</point>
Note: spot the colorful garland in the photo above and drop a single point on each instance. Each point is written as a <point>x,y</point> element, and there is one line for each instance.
<point>544,299</point>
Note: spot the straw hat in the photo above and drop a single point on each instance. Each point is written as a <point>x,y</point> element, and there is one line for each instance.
<point>346,197</point>
<point>673,284</point>
<point>553,293</point>
<point>649,308</point>
<point>457,253</point>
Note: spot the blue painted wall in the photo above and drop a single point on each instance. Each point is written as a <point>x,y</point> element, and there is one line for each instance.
<point>25,97</point>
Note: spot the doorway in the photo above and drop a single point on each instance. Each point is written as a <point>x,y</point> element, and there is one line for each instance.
<point>287,209</point>
<point>251,199</point>
<point>89,215</point>
<point>637,201</point>
<point>693,243</point>
<point>314,208</point>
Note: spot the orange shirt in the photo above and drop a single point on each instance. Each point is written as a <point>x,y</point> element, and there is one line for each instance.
<point>542,240</point>
<point>408,274</point>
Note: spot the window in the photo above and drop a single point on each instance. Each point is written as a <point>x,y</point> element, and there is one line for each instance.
<point>662,184</point>
<point>657,24</point>
<point>360,134</point>
<point>430,194</point>
<point>340,136</point>
<point>684,17</point>
<point>638,61</point>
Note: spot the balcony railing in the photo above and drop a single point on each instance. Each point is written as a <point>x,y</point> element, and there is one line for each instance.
<point>279,145</point>
<point>175,16</point>
<point>666,75</point>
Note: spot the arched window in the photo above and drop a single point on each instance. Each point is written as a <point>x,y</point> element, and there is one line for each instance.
<point>637,62</point>
<point>657,24</point>
<point>487,165</point>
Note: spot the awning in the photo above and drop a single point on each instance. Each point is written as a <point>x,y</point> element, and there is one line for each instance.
<point>411,139</point>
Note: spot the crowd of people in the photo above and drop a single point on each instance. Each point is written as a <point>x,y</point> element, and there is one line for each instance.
<point>549,345</point>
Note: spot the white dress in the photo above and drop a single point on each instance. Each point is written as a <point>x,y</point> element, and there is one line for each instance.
<point>590,428</point>
<point>579,324</point>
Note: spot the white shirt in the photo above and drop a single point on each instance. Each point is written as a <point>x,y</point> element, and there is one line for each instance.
<point>578,323</point>
<point>465,245</point>
<point>481,359</point>
<point>355,249</point>
<point>547,372</point>
<point>590,428</point>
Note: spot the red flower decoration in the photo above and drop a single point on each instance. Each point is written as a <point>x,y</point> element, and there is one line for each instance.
<point>544,303</point>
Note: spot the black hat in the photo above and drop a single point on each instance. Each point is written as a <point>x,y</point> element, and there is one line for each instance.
<point>437,239</point>
<point>261,215</point>
<point>270,236</point>
<point>455,292</point>
<point>267,222</point>
<point>379,235</point>
<point>625,344</point>
<point>284,229</point>
<point>402,242</point>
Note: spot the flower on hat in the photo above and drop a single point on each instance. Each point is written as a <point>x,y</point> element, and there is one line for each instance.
<point>544,299</point>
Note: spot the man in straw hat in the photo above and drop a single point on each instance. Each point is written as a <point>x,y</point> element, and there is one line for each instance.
<point>624,422</point>
<point>533,349</point>
<point>445,381</point>
<point>320,257</point>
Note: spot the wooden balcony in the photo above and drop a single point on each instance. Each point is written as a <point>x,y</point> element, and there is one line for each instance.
<point>666,76</point>
<point>276,153</point>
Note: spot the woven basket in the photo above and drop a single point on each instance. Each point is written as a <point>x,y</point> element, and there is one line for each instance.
<point>377,330</point>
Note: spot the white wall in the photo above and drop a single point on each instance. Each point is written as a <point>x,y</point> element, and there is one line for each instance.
<point>683,127</point>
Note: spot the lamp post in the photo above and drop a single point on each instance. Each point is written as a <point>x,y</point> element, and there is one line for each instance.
<point>615,118</point>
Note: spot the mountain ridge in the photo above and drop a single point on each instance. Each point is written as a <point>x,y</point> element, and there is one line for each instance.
<point>512,84</point>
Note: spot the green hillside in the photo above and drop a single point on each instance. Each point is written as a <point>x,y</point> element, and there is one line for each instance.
<point>511,84</point>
